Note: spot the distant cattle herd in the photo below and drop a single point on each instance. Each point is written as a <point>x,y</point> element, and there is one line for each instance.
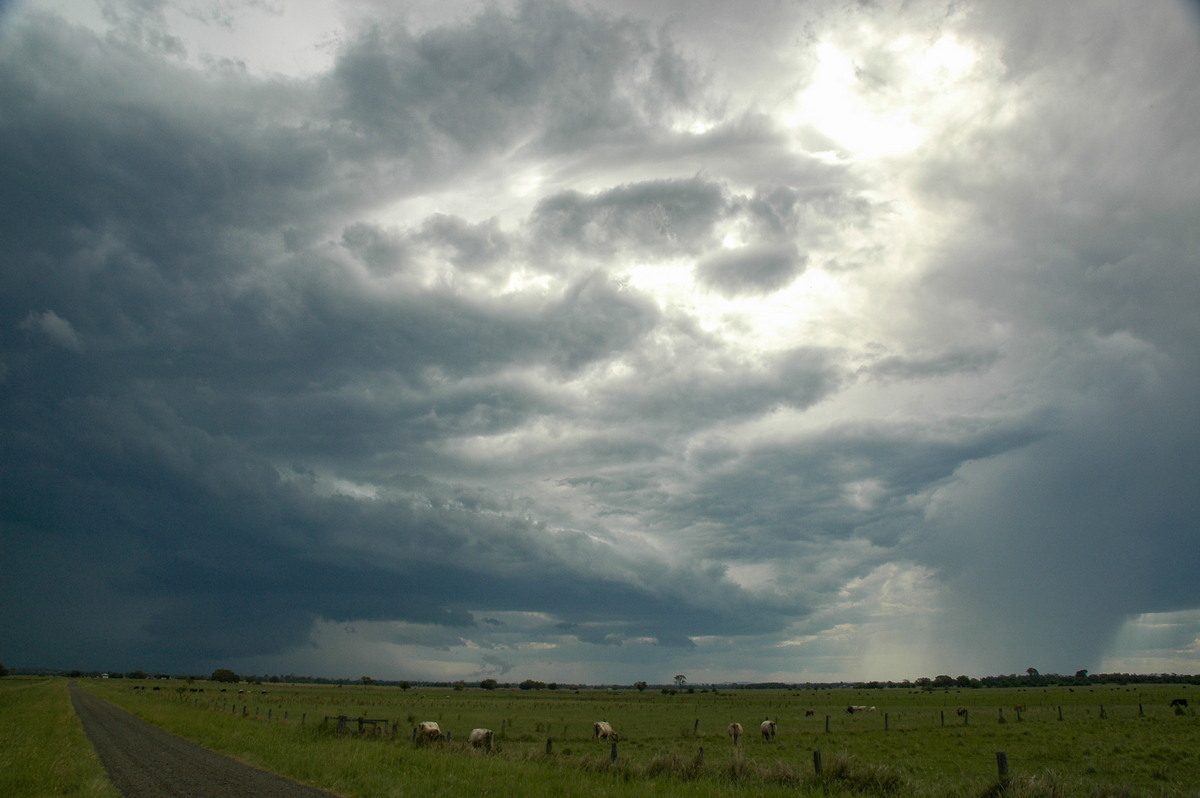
<point>602,730</point>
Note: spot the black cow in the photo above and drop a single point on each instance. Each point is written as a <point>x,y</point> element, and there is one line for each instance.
<point>1179,702</point>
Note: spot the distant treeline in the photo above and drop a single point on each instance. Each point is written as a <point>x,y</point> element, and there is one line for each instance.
<point>1031,678</point>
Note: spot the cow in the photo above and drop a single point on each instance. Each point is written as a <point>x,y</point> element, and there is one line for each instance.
<point>767,727</point>
<point>480,738</point>
<point>1179,702</point>
<point>602,731</point>
<point>735,732</point>
<point>850,710</point>
<point>808,713</point>
<point>961,712</point>
<point>427,730</point>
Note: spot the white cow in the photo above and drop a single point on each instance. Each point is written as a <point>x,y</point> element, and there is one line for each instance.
<point>602,731</point>
<point>767,727</point>
<point>427,730</point>
<point>735,732</point>
<point>480,738</point>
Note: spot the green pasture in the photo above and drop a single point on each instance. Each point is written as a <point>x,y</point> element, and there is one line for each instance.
<point>1110,741</point>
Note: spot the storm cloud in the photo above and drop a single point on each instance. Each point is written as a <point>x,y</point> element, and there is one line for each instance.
<point>552,342</point>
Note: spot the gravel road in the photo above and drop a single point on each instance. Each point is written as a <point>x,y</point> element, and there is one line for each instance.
<point>144,761</point>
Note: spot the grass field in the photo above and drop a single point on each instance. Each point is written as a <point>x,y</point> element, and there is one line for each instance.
<point>1110,741</point>
<point>43,750</point>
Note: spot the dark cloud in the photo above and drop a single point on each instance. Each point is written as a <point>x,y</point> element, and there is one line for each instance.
<point>663,216</point>
<point>753,269</point>
<point>567,77</point>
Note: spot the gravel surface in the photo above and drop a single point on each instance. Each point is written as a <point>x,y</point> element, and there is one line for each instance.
<point>144,761</point>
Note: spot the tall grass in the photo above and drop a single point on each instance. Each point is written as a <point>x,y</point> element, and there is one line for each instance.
<point>43,750</point>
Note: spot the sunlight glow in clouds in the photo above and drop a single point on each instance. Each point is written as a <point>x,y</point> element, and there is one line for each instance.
<point>882,97</point>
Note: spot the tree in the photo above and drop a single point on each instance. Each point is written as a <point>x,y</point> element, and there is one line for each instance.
<point>1032,672</point>
<point>640,686</point>
<point>3,670</point>
<point>367,680</point>
<point>680,680</point>
<point>1081,674</point>
<point>489,684</point>
<point>225,675</point>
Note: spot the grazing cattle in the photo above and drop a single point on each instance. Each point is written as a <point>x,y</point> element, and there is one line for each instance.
<point>1018,708</point>
<point>428,730</point>
<point>602,731</point>
<point>767,727</point>
<point>857,708</point>
<point>480,738</point>
<point>1179,702</point>
<point>735,732</point>
<point>961,711</point>
<point>808,713</point>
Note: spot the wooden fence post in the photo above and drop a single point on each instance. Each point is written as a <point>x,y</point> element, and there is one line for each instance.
<point>1060,713</point>
<point>826,724</point>
<point>696,728</point>
<point>1002,715</point>
<point>549,746</point>
<point>817,762</point>
<point>943,713</point>
<point>612,754</point>
<point>1002,765</point>
<point>700,756</point>
<point>1103,714</point>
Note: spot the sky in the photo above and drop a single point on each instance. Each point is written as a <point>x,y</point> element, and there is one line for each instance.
<point>596,343</point>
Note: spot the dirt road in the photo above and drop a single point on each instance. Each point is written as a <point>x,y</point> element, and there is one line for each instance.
<point>144,761</point>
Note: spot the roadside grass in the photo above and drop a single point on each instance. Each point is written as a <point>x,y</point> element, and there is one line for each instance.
<point>915,744</point>
<point>43,750</point>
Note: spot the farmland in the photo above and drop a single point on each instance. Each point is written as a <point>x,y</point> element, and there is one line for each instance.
<point>1102,741</point>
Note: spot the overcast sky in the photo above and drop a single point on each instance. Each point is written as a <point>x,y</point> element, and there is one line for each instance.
<point>598,343</point>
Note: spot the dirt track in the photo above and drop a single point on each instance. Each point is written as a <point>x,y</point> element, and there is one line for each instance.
<point>144,761</point>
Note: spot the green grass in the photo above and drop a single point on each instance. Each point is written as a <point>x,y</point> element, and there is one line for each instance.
<point>914,745</point>
<point>43,750</point>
